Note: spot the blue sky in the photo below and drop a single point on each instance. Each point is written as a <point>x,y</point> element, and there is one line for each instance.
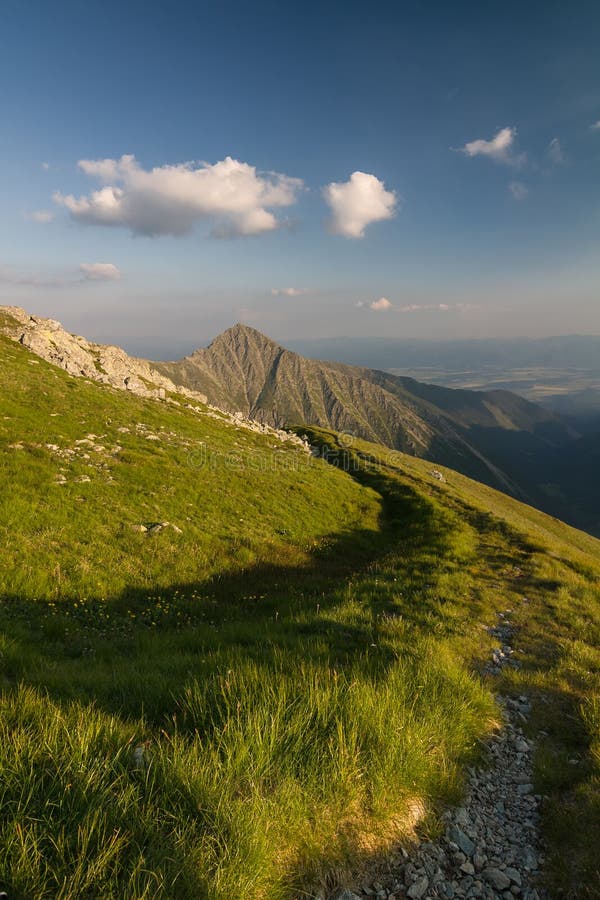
<point>475,124</point>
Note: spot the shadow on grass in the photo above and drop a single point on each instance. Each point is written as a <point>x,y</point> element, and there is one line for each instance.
<point>126,653</point>
<point>133,655</point>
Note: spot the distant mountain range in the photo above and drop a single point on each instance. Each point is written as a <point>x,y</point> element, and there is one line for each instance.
<point>574,351</point>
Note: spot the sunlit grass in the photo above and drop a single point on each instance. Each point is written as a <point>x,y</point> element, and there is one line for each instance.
<point>267,701</point>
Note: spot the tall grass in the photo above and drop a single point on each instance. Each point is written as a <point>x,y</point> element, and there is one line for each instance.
<point>271,778</point>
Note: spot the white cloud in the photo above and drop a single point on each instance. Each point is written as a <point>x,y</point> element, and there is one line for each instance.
<point>424,307</point>
<point>230,195</point>
<point>555,152</point>
<point>45,166</point>
<point>99,272</point>
<point>288,292</point>
<point>518,190</point>
<point>43,216</point>
<point>499,148</point>
<point>595,126</point>
<point>380,305</point>
<point>357,203</point>
<point>383,304</point>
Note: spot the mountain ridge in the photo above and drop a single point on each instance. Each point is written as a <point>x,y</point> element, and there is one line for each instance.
<point>495,437</point>
<point>243,369</point>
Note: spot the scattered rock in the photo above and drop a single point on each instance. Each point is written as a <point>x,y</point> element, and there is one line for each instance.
<point>489,849</point>
<point>140,756</point>
<point>514,875</point>
<point>157,527</point>
<point>418,888</point>
<point>498,879</point>
<point>458,837</point>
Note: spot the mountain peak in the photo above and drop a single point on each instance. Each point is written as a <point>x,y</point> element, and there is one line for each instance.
<point>243,335</point>
<point>240,328</point>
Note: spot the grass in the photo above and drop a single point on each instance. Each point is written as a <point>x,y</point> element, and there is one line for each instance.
<point>549,574</point>
<point>269,701</point>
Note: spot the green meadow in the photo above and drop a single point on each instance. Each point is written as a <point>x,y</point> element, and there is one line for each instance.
<point>229,668</point>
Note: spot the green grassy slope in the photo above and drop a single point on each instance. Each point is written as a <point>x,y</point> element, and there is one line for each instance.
<point>83,467</point>
<point>271,698</point>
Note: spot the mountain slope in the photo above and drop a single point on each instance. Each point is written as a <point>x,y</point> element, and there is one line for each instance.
<point>78,356</point>
<point>229,665</point>
<point>573,482</point>
<point>495,436</point>
<point>192,705</point>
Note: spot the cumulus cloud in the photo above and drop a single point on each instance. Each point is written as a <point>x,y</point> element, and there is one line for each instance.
<point>100,272</point>
<point>518,190</point>
<point>45,166</point>
<point>288,292</point>
<point>380,305</point>
<point>42,216</point>
<point>595,126</point>
<point>555,152</point>
<point>500,148</point>
<point>358,202</point>
<point>231,196</point>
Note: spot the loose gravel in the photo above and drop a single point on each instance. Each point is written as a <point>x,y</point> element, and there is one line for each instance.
<point>491,845</point>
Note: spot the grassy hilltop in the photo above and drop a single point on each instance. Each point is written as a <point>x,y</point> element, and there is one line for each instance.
<point>277,680</point>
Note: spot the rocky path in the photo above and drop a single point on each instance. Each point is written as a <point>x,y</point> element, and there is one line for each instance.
<point>490,848</point>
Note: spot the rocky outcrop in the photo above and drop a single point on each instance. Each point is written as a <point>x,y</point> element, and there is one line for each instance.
<point>114,367</point>
<point>76,355</point>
